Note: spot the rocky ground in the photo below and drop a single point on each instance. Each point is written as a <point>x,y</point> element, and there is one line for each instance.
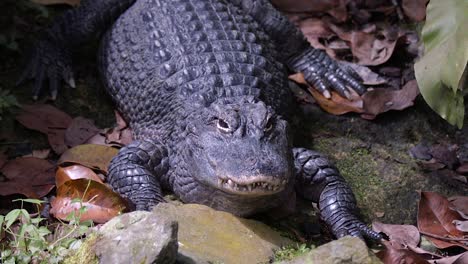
<point>374,156</point>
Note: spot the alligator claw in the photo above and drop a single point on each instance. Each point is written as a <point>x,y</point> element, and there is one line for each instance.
<point>325,74</point>
<point>350,225</point>
<point>47,61</point>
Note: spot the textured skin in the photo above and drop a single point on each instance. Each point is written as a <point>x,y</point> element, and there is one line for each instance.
<point>203,84</point>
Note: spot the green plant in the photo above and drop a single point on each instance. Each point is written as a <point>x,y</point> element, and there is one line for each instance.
<point>7,101</point>
<point>440,72</point>
<point>291,251</point>
<point>27,239</point>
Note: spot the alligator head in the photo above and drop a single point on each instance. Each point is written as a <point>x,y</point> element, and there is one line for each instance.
<point>240,147</point>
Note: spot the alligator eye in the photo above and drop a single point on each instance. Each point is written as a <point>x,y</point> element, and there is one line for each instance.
<point>223,126</point>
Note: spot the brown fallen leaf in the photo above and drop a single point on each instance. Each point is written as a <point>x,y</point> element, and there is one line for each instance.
<point>379,101</point>
<point>400,236</point>
<point>435,220</point>
<point>392,255</point>
<point>458,259</point>
<point>89,155</point>
<point>48,120</point>
<point>100,201</point>
<point>459,204</point>
<point>446,154</point>
<point>31,177</point>
<point>79,131</point>
<point>74,172</point>
<point>315,29</point>
<point>370,46</point>
<point>54,2</point>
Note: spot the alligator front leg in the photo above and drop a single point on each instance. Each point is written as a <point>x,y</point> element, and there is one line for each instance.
<point>135,173</point>
<point>319,181</point>
<point>50,57</point>
<point>319,70</point>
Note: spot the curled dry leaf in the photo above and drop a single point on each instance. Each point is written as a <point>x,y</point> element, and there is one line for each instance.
<point>392,255</point>
<point>400,235</point>
<point>459,204</point>
<point>54,2</point>
<point>435,218</point>
<point>458,259</point>
<point>80,130</point>
<point>382,100</point>
<point>100,201</point>
<point>31,177</point>
<point>89,155</point>
<point>315,30</point>
<point>74,172</point>
<point>48,120</point>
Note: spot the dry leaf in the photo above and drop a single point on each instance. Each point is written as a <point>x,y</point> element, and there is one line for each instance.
<point>400,235</point>
<point>100,201</point>
<point>89,155</point>
<point>382,100</point>
<point>459,204</point>
<point>399,256</point>
<point>74,172</point>
<point>79,131</point>
<point>31,177</point>
<point>48,120</point>
<point>435,217</point>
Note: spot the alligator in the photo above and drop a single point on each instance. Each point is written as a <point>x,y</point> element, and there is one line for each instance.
<point>204,86</point>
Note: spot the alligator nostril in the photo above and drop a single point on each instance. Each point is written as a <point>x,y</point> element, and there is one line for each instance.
<point>251,161</point>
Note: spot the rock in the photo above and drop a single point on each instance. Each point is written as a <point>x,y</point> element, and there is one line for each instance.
<point>138,237</point>
<point>210,236</point>
<point>347,250</point>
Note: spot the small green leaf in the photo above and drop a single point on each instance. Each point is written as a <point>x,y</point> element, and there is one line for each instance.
<point>26,216</point>
<point>11,217</point>
<point>33,201</point>
<point>36,220</point>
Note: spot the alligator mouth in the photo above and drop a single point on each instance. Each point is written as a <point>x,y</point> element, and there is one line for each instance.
<point>259,186</point>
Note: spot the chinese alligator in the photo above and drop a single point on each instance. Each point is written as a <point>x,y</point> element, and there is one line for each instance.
<point>204,86</point>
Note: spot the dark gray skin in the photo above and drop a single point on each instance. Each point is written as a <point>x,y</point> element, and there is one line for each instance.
<point>204,86</point>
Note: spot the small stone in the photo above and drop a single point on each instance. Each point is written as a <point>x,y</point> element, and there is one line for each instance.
<point>138,237</point>
<point>350,250</point>
<point>379,214</point>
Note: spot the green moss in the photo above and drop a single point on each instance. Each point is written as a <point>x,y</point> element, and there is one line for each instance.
<point>85,254</point>
<point>290,252</point>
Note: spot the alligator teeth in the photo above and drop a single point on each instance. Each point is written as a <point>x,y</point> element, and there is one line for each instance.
<point>249,187</point>
<point>231,183</point>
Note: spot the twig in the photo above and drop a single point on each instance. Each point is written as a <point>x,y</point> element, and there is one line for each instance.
<point>442,237</point>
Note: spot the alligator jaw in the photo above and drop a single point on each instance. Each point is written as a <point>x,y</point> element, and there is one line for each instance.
<point>262,185</point>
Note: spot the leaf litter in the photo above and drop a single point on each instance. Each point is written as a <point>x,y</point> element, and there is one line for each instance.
<point>366,42</point>
<point>362,33</point>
